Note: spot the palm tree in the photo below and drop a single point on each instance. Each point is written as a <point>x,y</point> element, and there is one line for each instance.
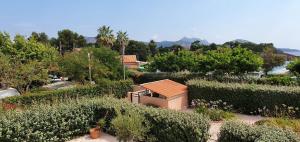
<point>105,36</point>
<point>122,39</point>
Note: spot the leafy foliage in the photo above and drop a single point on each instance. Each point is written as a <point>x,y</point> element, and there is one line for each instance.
<point>294,66</point>
<point>220,61</point>
<point>239,132</point>
<point>105,36</point>
<point>173,61</point>
<point>118,89</point>
<point>272,59</point>
<point>227,60</point>
<point>140,49</point>
<point>246,98</point>
<point>61,122</point>
<point>25,63</point>
<point>105,64</point>
<point>130,126</point>
<point>284,123</point>
<point>67,40</point>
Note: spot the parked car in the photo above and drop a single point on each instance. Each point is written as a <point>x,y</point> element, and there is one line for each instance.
<point>8,93</point>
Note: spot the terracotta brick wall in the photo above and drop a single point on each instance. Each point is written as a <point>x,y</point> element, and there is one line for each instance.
<point>178,102</point>
<point>155,101</point>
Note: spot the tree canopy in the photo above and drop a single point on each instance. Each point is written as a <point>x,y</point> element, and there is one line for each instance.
<point>222,60</point>
<point>105,64</point>
<point>140,49</point>
<point>105,37</point>
<point>173,61</point>
<point>25,62</point>
<point>294,66</point>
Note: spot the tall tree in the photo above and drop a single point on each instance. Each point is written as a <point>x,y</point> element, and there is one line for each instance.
<point>271,59</point>
<point>152,45</point>
<point>294,66</point>
<point>140,49</point>
<point>122,39</point>
<point>40,37</point>
<point>105,64</point>
<point>105,36</point>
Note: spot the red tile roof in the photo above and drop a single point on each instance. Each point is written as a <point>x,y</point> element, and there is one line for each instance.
<point>166,87</point>
<point>129,58</point>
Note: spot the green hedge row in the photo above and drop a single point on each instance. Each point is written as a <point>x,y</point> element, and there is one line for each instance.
<point>245,98</point>
<point>62,122</point>
<point>239,132</point>
<point>118,88</point>
<point>182,77</point>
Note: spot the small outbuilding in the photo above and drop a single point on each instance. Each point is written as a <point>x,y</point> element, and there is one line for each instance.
<point>130,61</point>
<point>164,94</point>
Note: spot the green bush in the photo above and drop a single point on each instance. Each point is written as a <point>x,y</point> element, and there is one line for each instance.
<point>246,98</point>
<point>63,121</point>
<point>215,114</point>
<point>182,77</point>
<point>279,80</point>
<point>292,124</point>
<point>118,88</point>
<point>239,132</point>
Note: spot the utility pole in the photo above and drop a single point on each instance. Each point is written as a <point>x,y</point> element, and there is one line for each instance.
<point>60,47</point>
<point>90,68</point>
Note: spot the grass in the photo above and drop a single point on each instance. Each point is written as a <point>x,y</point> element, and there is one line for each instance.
<point>215,114</point>
<point>285,123</point>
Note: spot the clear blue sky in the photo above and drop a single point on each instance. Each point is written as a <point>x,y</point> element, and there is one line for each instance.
<point>276,21</point>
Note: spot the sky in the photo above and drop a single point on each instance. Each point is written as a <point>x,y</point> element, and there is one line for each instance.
<point>276,21</point>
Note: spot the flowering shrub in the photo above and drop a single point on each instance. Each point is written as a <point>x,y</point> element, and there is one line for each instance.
<point>216,110</point>
<point>218,104</point>
<point>279,111</point>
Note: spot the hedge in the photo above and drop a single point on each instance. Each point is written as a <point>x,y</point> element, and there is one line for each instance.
<point>118,88</point>
<point>62,122</point>
<point>183,77</point>
<point>180,77</point>
<point>239,132</point>
<point>245,98</point>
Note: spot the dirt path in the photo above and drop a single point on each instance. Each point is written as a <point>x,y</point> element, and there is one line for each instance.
<point>214,129</point>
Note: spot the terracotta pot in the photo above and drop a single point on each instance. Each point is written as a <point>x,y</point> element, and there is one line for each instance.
<point>95,133</point>
<point>8,106</point>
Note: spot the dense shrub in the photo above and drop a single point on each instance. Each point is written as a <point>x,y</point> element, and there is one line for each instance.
<point>182,77</point>
<point>239,132</point>
<point>292,124</point>
<point>284,80</point>
<point>246,98</point>
<point>118,88</point>
<point>61,122</point>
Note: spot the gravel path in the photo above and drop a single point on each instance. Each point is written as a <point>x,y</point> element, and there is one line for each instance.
<point>104,138</point>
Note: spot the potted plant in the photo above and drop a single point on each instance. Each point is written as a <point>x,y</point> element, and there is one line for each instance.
<point>96,132</point>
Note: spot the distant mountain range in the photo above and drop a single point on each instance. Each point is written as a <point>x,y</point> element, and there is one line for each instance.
<point>185,42</point>
<point>294,52</point>
<point>90,40</point>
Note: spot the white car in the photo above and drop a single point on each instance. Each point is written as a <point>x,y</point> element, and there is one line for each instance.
<point>8,93</point>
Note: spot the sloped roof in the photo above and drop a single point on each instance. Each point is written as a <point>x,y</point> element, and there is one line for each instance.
<point>129,58</point>
<point>166,87</point>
